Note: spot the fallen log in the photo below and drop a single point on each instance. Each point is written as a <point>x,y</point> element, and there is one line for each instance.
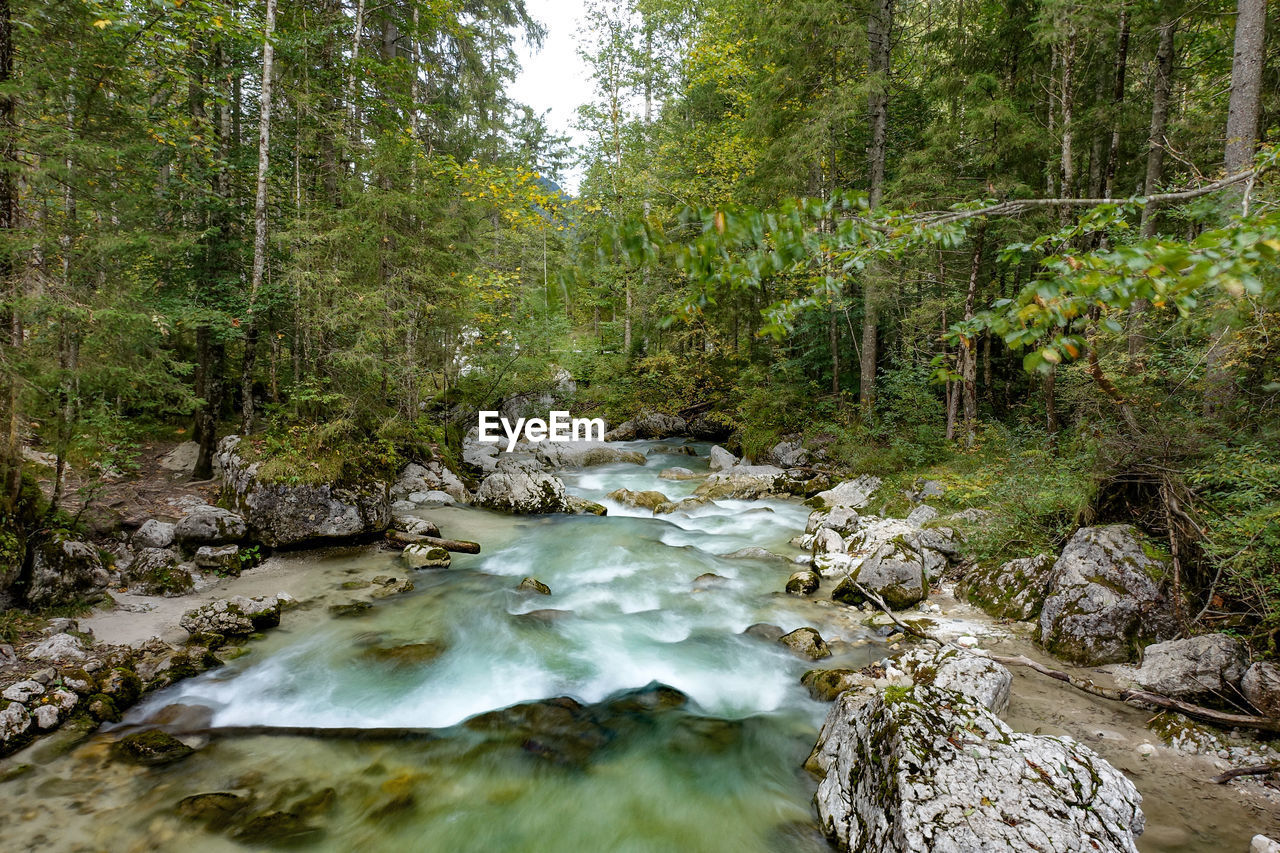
<point>1256,770</point>
<point>460,546</point>
<point>1117,694</point>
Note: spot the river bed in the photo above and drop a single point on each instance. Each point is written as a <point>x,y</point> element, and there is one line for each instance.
<point>629,608</point>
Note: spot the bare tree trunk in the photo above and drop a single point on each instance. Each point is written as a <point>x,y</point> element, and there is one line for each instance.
<point>879,29</point>
<point>1117,100</point>
<point>1161,88</point>
<point>968,345</point>
<point>8,267</point>
<point>1067,102</point>
<point>1051,400</point>
<point>259,220</point>
<point>1242,137</point>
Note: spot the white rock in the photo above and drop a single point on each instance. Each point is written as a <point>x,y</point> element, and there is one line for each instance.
<point>1262,844</point>
<point>46,716</point>
<point>721,459</point>
<point>58,647</point>
<point>23,691</point>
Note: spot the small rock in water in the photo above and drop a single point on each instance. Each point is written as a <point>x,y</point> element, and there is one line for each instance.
<point>806,641</point>
<point>803,583</point>
<point>764,631</point>
<point>1262,844</point>
<point>351,608</point>
<point>1146,749</point>
<point>709,579</point>
<point>151,748</point>
<point>420,556</point>
<point>967,642</point>
<point>534,585</point>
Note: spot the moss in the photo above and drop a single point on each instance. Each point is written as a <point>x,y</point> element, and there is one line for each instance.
<point>150,748</point>
<point>894,695</point>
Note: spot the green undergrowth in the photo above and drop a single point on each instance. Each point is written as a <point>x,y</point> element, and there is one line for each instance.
<point>343,451</point>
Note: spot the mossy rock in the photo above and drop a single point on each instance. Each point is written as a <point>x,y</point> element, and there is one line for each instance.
<point>351,608</point>
<point>215,810</point>
<point>103,709</point>
<point>150,749</point>
<point>123,686</point>
<point>408,655</point>
<point>534,585</point>
<point>277,829</point>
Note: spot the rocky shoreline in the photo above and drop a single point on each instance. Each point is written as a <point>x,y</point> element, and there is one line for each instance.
<point>918,734</point>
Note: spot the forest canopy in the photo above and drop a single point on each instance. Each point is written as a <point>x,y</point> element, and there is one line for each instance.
<point>1027,249</point>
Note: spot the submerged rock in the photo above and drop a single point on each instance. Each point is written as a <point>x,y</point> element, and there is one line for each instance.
<point>215,810</point>
<point>517,487</point>
<point>678,473</point>
<point>1105,600</point>
<point>1209,666</point>
<point>920,769</point>
<point>1014,590</point>
<point>764,631</point>
<point>806,642</point>
<point>150,748</point>
<point>752,553</point>
<point>407,655</point>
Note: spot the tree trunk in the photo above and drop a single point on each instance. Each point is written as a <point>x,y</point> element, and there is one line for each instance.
<point>9,279</point>
<point>1067,101</point>
<point>1242,137</point>
<point>879,29</point>
<point>968,344</point>
<point>259,221</point>
<point>1161,88</point>
<point>1117,101</point>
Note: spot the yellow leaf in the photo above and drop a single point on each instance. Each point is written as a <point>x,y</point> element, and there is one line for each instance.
<point>102,23</point>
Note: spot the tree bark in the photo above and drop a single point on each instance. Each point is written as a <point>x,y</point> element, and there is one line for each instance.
<point>259,220</point>
<point>879,31</point>
<point>968,344</point>
<point>1161,88</point>
<point>1242,137</point>
<point>1117,101</point>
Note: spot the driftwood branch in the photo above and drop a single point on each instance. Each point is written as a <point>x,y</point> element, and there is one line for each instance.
<point>1117,694</point>
<point>1256,770</point>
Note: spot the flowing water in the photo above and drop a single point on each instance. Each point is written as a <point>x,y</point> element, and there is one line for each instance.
<point>629,608</point>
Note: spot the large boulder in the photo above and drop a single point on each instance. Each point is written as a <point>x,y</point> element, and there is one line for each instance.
<point>583,454</point>
<point>1013,590</point>
<point>650,425</point>
<point>855,493</point>
<point>1261,686</point>
<point>978,679</point>
<point>518,487</point>
<point>153,534</point>
<point>787,454</point>
<point>721,459</point>
<point>210,525</point>
<point>922,769</point>
<point>157,571</point>
<point>896,576</point>
<point>1105,600</point>
<point>235,617</point>
<point>282,514</point>
<point>65,571</point>
<point>743,481</point>
<point>1205,667</point>
<point>433,476</point>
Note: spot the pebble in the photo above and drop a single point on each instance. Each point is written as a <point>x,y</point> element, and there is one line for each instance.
<point>967,642</point>
<point>1146,749</point>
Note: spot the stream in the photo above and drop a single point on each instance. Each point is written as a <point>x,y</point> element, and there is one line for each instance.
<point>721,773</point>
